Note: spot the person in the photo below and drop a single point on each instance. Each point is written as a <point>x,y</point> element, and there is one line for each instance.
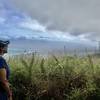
<point>5,91</point>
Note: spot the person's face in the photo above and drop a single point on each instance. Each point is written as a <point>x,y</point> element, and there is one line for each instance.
<point>4,50</point>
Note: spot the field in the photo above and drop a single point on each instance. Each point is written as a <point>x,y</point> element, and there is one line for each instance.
<point>55,77</point>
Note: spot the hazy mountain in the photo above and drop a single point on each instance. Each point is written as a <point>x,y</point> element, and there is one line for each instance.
<point>45,46</point>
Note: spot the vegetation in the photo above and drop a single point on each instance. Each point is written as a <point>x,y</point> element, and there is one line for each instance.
<point>55,77</point>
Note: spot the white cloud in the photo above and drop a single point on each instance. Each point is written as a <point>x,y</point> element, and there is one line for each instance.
<point>40,31</point>
<point>32,24</point>
<point>2,20</point>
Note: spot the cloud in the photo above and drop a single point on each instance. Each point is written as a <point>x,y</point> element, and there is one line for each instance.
<point>16,24</point>
<point>74,16</point>
<point>2,20</point>
<point>32,24</point>
<point>40,31</point>
<point>93,36</point>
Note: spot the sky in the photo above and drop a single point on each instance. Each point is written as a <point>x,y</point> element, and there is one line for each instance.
<point>63,20</point>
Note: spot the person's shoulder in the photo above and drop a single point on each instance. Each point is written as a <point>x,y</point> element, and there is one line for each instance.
<point>2,61</point>
<point>1,58</point>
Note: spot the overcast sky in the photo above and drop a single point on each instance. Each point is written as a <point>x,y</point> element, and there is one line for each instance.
<point>78,17</point>
<point>68,20</point>
<point>15,24</point>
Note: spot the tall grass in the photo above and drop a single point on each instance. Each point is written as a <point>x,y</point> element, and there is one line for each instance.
<point>55,78</point>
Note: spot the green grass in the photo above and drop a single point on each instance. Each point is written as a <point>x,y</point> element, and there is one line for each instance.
<point>55,78</point>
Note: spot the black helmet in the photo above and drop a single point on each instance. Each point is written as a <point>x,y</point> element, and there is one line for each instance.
<point>4,43</point>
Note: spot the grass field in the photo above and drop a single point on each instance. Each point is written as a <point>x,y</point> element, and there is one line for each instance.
<point>55,77</point>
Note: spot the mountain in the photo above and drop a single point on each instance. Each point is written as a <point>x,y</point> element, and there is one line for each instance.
<point>45,46</point>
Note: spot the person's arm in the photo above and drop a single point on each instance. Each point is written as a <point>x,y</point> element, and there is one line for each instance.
<point>5,83</point>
